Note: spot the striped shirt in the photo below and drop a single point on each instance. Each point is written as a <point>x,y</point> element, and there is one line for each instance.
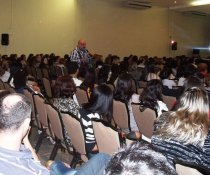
<point>87,125</point>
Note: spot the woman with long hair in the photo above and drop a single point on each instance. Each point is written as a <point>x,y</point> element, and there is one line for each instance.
<point>100,106</point>
<point>151,97</point>
<point>125,93</point>
<point>186,130</point>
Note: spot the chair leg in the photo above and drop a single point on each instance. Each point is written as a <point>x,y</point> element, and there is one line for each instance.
<point>54,151</point>
<point>39,142</point>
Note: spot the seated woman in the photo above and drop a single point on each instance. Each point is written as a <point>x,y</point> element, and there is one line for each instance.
<point>184,135</point>
<point>124,92</point>
<point>151,97</point>
<point>100,106</point>
<point>65,99</point>
<point>89,81</point>
<point>167,77</point>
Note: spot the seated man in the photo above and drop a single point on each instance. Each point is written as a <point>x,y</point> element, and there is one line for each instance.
<point>15,114</point>
<point>21,159</point>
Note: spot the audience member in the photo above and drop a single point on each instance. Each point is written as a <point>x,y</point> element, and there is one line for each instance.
<point>125,93</point>
<point>186,130</point>
<point>151,97</point>
<point>100,106</point>
<point>139,159</point>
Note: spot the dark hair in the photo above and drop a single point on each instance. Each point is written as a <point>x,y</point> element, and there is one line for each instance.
<point>3,93</point>
<point>139,158</point>
<point>72,67</point>
<point>124,89</point>
<point>14,109</point>
<point>101,102</point>
<point>151,94</point>
<point>165,73</point>
<point>89,80</point>
<point>64,87</point>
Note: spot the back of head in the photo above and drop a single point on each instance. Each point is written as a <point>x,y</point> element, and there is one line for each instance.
<point>64,87</point>
<point>189,124</point>
<point>124,89</point>
<point>101,101</point>
<point>72,67</point>
<point>152,93</point>
<point>14,109</point>
<point>139,159</point>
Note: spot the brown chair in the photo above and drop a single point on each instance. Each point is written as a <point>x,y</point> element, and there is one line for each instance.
<point>47,87</point>
<point>39,102</point>
<point>140,90</point>
<point>1,85</point>
<point>169,101</point>
<point>144,120</point>
<point>121,115</point>
<point>81,95</point>
<point>107,137</point>
<point>57,128</point>
<point>29,95</point>
<point>74,129</point>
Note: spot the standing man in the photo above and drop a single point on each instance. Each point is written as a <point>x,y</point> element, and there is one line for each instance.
<point>80,54</point>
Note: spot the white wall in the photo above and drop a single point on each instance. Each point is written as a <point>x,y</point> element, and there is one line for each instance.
<point>45,26</point>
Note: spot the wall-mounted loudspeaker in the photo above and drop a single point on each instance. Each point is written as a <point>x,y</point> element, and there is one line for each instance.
<point>5,39</point>
<point>174,45</point>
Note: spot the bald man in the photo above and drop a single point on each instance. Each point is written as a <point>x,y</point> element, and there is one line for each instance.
<point>80,54</point>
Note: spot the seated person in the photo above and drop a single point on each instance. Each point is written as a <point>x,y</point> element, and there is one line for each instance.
<point>139,159</point>
<point>100,106</point>
<point>151,97</point>
<point>21,159</point>
<point>64,92</point>
<point>186,130</point>
<point>124,92</point>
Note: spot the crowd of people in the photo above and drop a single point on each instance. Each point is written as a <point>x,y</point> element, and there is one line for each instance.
<point>181,134</point>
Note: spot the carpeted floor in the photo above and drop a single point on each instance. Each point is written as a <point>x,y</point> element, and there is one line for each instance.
<point>46,149</point>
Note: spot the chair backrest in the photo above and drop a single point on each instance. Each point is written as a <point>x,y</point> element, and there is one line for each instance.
<point>29,95</point>
<point>47,87</point>
<point>39,73</point>
<point>1,85</point>
<point>74,129</point>
<point>45,73</point>
<point>120,115</point>
<point>81,96</point>
<point>41,110</point>
<point>107,138</point>
<point>169,101</point>
<point>140,90</point>
<point>180,169</point>
<point>144,120</point>
<point>55,121</point>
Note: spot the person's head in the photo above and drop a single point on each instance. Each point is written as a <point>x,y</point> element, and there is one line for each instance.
<point>101,101</point>
<point>165,73</point>
<point>89,80</point>
<point>72,67</point>
<point>139,159</point>
<point>81,44</point>
<point>15,112</point>
<point>151,94</point>
<point>124,88</point>
<point>189,123</point>
<point>202,68</point>
<point>193,81</point>
<point>64,87</point>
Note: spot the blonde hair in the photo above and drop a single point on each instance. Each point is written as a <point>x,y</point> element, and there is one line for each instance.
<point>190,123</point>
